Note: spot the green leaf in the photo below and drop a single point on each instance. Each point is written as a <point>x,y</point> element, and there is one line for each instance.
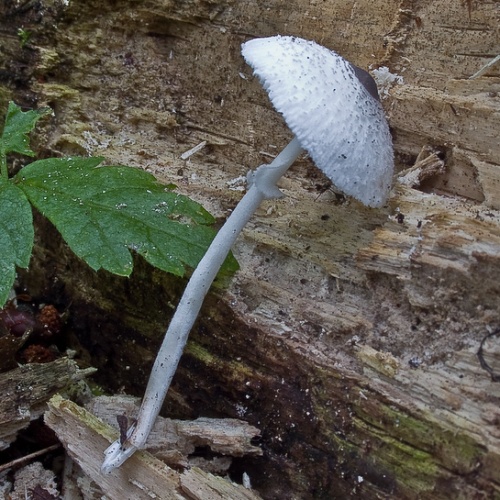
<point>104,212</point>
<point>18,125</point>
<point>24,36</point>
<point>16,235</point>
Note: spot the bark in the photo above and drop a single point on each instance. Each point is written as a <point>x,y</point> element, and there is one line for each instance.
<point>349,337</point>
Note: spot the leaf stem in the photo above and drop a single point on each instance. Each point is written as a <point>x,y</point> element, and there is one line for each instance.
<point>262,186</point>
<point>4,172</point>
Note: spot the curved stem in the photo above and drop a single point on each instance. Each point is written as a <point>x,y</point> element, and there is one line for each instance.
<point>263,186</point>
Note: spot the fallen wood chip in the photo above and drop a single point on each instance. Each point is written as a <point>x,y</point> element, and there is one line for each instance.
<point>192,151</point>
<point>427,165</point>
<point>485,68</point>
<point>142,476</point>
<point>173,441</point>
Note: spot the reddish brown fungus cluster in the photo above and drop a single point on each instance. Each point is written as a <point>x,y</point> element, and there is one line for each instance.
<point>35,331</point>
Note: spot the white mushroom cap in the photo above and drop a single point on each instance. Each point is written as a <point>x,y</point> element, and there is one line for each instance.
<point>334,117</point>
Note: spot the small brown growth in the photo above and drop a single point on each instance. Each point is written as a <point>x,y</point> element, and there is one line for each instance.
<point>36,353</point>
<point>49,320</point>
<point>39,493</point>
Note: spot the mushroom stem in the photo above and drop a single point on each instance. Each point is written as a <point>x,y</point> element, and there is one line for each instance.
<point>262,187</point>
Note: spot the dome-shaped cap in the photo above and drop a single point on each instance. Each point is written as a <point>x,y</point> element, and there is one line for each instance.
<point>333,115</point>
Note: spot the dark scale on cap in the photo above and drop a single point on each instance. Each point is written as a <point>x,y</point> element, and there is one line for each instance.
<point>367,81</point>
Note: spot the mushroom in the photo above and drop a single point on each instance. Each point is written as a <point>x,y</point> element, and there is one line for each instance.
<point>332,107</point>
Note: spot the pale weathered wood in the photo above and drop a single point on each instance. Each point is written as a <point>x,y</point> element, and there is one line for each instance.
<point>199,485</point>
<point>142,477</point>
<point>173,441</point>
<point>27,389</point>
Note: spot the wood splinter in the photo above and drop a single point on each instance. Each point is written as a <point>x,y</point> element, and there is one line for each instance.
<point>175,441</point>
<point>143,477</point>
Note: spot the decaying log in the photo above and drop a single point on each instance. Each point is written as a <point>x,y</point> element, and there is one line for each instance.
<point>142,477</point>
<point>349,335</point>
<point>26,390</point>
